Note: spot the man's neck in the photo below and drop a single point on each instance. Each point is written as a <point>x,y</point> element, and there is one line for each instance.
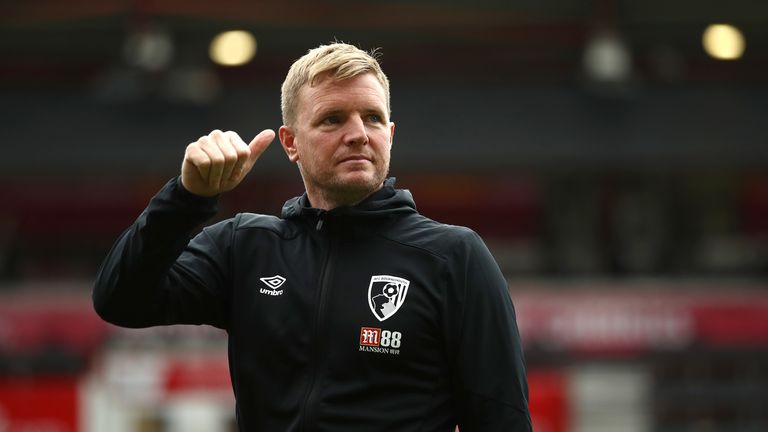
<point>327,200</point>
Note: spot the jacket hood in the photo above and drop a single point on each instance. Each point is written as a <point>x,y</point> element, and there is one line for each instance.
<point>386,202</point>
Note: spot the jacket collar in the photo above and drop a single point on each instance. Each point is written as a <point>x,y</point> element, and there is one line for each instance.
<point>386,202</point>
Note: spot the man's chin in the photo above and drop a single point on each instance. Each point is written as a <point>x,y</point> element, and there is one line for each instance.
<point>360,182</point>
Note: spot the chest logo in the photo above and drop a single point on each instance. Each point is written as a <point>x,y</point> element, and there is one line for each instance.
<point>273,282</point>
<point>386,294</point>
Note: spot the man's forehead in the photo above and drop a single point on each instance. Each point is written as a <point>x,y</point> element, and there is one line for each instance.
<point>326,81</point>
<point>324,92</point>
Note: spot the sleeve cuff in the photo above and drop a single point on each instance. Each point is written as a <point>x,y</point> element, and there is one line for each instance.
<point>188,198</point>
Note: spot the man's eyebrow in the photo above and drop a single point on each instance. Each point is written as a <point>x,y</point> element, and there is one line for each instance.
<point>373,109</point>
<point>322,112</point>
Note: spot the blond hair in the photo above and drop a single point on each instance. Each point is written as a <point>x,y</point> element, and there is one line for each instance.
<point>339,59</point>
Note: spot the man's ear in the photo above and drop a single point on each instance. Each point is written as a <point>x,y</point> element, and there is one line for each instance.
<point>288,141</point>
<point>391,134</point>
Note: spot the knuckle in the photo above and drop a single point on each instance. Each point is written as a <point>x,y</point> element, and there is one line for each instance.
<point>192,152</point>
<point>234,140</point>
<point>230,157</point>
<point>243,152</point>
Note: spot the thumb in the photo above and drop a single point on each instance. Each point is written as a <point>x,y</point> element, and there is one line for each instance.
<point>259,144</point>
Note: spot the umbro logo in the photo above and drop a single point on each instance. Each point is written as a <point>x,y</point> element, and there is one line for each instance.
<point>273,282</point>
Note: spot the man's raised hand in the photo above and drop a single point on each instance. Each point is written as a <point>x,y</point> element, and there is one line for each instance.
<point>219,161</point>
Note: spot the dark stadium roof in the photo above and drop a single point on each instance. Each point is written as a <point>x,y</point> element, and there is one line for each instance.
<point>526,40</point>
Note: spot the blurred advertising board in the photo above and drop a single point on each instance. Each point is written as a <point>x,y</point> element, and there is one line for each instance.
<point>626,321</point>
<point>44,404</point>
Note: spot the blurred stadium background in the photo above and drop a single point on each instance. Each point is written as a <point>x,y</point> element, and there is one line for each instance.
<point>617,169</point>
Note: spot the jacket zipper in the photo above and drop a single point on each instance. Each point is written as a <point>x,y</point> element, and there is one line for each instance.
<point>317,344</point>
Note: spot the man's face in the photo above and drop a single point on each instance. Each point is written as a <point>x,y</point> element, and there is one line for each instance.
<point>341,139</point>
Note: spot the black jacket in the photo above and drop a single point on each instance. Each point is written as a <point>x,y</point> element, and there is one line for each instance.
<point>364,318</point>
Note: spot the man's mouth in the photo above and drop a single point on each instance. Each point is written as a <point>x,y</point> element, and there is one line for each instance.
<point>356,158</point>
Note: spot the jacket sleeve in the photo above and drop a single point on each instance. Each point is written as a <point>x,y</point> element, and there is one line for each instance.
<point>154,275</point>
<point>490,385</point>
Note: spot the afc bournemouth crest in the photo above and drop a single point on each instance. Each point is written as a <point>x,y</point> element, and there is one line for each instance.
<point>386,294</point>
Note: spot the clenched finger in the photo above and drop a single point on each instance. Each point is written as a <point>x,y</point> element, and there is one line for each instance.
<point>198,159</point>
<point>242,153</point>
<point>217,162</point>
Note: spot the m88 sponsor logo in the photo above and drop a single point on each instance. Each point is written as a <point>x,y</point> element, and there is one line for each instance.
<point>373,339</point>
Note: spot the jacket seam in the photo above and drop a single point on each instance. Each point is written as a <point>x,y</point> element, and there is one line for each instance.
<point>431,252</point>
<point>263,228</point>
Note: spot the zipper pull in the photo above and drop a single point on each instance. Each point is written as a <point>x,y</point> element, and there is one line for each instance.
<point>320,221</point>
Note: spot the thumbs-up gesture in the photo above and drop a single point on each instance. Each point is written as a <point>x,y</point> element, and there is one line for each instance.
<point>219,161</point>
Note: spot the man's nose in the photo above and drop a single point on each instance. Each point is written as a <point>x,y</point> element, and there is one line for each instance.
<point>356,133</point>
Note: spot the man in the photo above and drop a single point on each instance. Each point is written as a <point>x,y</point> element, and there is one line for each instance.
<point>351,312</point>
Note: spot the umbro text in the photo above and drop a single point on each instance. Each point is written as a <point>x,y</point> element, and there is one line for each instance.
<point>271,292</point>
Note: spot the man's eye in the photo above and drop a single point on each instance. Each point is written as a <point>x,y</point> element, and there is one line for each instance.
<point>374,118</point>
<point>331,120</point>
